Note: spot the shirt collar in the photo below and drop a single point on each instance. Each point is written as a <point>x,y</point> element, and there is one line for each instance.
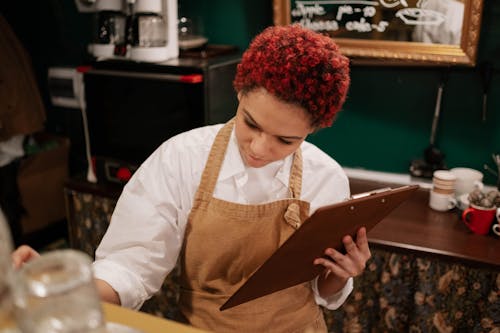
<point>234,166</point>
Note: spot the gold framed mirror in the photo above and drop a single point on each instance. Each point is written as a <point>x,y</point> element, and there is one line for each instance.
<point>392,32</point>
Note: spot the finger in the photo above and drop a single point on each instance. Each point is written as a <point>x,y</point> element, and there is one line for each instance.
<point>347,263</point>
<point>358,252</point>
<point>362,242</point>
<point>354,260</point>
<point>349,245</point>
<point>333,267</point>
<point>23,254</point>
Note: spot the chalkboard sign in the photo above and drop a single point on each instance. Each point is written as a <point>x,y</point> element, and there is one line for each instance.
<point>439,31</point>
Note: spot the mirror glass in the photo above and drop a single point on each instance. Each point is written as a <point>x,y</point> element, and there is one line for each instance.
<point>436,32</point>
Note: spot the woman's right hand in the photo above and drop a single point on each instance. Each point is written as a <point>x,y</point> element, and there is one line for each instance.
<point>23,254</point>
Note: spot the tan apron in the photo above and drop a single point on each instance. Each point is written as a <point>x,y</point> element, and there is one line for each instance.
<point>226,242</point>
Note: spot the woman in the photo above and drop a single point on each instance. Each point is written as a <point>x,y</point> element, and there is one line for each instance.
<point>219,200</point>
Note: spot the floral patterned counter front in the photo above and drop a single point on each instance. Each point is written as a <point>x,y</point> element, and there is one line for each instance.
<point>406,292</point>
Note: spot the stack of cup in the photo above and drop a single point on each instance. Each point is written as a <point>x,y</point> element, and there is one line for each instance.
<point>442,196</point>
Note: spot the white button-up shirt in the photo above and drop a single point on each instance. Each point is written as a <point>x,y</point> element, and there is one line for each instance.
<point>143,241</point>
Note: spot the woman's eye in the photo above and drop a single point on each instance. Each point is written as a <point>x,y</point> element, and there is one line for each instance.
<point>286,142</point>
<point>249,124</point>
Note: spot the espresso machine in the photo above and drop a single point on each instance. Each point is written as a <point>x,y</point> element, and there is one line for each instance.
<point>139,30</point>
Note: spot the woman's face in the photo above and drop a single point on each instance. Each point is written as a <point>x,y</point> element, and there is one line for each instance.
<point>268,129</point>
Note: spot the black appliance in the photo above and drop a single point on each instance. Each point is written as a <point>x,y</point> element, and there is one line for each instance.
<point>133,107</point>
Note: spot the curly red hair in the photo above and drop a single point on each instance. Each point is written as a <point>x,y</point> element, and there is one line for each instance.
<point>298,66</point>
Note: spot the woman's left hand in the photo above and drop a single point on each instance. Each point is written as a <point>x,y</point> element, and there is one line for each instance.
<point>340,267</point>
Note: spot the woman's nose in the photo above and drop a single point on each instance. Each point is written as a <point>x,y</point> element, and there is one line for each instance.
<point>260,145</point>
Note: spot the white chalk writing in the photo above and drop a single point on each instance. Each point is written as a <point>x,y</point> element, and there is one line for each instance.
<point>308,11</point>
<point>419,16</point>
<point>358,15</point>
<point>392,4</point>
<point>325,25</point>
<point>338,2</point>
<point>343,10</point>
<point>368,11</point>
<point>363,26</point>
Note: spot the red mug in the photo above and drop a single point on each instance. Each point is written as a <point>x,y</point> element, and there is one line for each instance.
<point>479,219</point>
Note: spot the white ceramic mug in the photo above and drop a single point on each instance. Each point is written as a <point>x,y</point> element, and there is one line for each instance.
<point>463,201</point>
<point>496,226</point>
<point>441,202</point>
<point>467,180</point>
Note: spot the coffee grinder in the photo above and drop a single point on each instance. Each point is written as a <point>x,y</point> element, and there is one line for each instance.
<point>109,31</point>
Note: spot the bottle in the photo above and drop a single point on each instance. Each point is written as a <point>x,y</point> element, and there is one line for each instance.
<point>7,323</point>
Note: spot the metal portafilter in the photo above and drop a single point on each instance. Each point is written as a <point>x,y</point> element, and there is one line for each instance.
<point>433,157</point>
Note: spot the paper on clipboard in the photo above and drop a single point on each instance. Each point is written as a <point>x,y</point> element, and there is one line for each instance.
<point>292,263</point>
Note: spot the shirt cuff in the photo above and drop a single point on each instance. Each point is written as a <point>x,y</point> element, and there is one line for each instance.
<point>130,291</point>
<point>336,300</point>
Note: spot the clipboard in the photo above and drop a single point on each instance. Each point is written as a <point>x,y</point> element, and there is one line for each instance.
<point>292,263</point>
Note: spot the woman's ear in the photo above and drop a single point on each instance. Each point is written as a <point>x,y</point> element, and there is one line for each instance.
<point>240,94</point>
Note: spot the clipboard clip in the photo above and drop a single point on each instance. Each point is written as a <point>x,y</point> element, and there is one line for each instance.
<point>367,194</point>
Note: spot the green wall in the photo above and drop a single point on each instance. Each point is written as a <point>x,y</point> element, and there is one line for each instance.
<point>232,22</point>
<point>386,121</point>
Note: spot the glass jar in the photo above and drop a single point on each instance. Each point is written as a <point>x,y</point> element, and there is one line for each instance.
<point>148,30</point>
<point>56,293</point>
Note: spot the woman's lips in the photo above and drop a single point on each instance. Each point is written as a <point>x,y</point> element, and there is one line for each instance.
<point>251,158</point>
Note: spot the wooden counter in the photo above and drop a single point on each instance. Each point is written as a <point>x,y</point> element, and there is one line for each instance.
<point>414,226</point>
<point>144,322</point>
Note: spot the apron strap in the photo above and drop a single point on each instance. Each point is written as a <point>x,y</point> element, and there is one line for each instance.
<point>214,162</point>
<point>295,182</point>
